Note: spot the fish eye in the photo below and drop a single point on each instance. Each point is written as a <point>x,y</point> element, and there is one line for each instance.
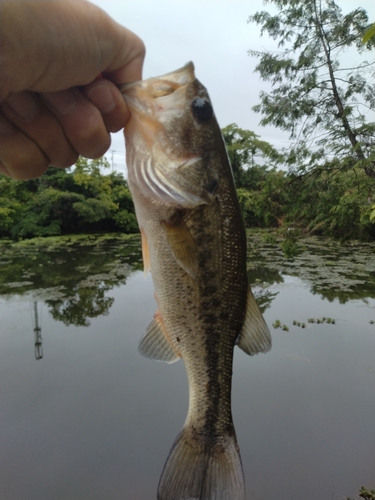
<point>202,109</point>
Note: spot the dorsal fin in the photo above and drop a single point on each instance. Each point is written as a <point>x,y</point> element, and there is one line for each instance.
<point>155,343</point>
<point>255,336</point>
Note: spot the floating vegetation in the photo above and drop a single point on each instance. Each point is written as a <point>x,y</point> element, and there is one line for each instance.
<point>269,238</point>
<point>300,324</point>
<point>329,321</point>
<point>334,270</point>
<point>372,322</point>
<point>277,324</point>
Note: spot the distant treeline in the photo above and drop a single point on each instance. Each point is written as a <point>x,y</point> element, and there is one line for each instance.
<point>82,200</point>
<point>336,201</point>
<point>332,203</point>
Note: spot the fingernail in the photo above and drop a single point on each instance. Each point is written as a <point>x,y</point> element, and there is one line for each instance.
<point>24,105</point>
<point>102,98</point>
<point>64,101</point>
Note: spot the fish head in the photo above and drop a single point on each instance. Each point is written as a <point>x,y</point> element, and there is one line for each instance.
<point>173,141</point>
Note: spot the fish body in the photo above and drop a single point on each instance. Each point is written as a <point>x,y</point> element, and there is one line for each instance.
<point>194,242</point>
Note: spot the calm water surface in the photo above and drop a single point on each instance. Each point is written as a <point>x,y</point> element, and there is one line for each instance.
<point>84,417</point>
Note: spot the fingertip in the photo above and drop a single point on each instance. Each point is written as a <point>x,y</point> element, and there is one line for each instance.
<point>21,170</point>
<point>129,61</point>
<point>67,162</point>
<point>107,98</point>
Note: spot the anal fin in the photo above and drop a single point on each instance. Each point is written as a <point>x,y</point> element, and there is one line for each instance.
<point>255,336</point>
<point>155,344</point>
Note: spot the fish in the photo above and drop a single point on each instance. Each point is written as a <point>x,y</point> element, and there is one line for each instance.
<point>194,244</point>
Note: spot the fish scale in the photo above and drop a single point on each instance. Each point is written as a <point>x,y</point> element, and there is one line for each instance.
<point>194,242</point>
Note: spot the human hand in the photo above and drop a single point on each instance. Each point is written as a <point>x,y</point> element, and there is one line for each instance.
<point>53,106</point>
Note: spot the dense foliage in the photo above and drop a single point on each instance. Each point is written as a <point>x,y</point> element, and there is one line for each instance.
<point>333,201</point>
<point>66,201</point>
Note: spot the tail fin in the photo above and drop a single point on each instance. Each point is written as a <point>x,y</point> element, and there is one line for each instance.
<point>198,469</point>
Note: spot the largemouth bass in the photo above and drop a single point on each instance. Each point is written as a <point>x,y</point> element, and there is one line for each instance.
<point>194,242</point>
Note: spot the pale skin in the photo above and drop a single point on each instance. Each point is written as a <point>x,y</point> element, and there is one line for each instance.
<point>60,62</point>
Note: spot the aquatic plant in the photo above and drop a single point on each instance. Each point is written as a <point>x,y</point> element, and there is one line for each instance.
<point>290,245</point>
<point>354,265</point>
<point>313,320</point>
<point>269,238</point>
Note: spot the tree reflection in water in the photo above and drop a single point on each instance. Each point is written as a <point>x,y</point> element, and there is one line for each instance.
<point>73,275</point>
<point>86,303</point>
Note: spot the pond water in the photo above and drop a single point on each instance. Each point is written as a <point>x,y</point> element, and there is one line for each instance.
<point>85,417</point>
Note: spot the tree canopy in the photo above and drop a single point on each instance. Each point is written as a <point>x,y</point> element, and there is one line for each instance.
<point>322,99</point>
<point>332,201</point>
<point>66,201</point>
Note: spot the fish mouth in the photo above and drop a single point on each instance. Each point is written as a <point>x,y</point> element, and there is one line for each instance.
<point>147,97</point>
<point>160,86</point>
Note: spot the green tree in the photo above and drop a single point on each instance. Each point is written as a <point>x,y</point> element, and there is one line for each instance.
<point>246,151</point>
<point>323,103</point>
<point>333,202</point>
<point>265,204</point>
<point>81,199</point>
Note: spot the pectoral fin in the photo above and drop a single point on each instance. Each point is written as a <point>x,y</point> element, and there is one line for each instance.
<point>155,343</point>
<point>255,336</point>
<point>182,246</point>
<point>145,254</point>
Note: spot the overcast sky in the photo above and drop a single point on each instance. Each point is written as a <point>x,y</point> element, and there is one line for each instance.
<point>214,34</point>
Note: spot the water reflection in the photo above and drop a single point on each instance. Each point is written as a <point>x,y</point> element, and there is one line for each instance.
<point>74,277</point>
<point>334,270</point>
<point>261,278</point>
<point>37,333</point>
<point>93,419</point>
<point>71,278</point>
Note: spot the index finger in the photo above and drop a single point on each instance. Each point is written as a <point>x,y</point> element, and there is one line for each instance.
<point>127,65</point>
